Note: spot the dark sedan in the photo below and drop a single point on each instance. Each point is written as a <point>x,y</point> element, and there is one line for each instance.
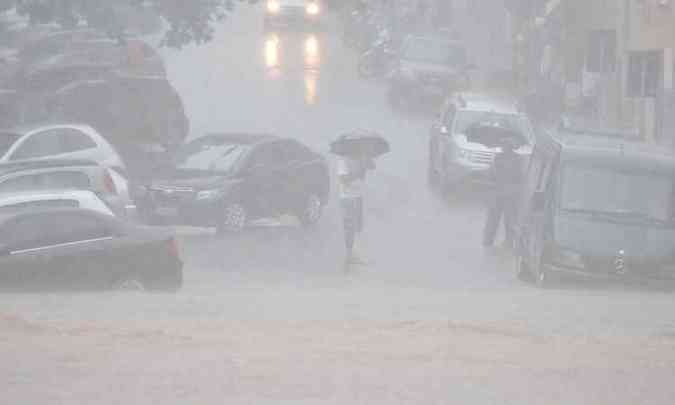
<point>79,249</point>
<point>226,180</point>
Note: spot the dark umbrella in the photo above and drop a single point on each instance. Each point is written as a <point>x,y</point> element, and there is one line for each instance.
<point>360,144</point>
<point>494,134</point>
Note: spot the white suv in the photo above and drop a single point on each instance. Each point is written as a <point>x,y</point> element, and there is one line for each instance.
<point>453,157</point>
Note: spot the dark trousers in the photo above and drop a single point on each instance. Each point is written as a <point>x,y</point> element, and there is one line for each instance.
<point>352,214</point>
<point>502,205</point>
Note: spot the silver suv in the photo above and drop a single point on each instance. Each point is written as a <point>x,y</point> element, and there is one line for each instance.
<point>453,157</point>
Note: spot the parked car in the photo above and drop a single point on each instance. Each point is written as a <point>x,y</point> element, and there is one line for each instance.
<point>226,180</point>
<point>54,199</point>
<point>68,174</point>
<point>429,68</point>
<point>73,248</point>
<point>57,141</point>
<point>291,12</point>
<point>597,205</point>
<point>456,158</point>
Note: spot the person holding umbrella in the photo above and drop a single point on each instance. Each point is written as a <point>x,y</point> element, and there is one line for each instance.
<point>356,153</point>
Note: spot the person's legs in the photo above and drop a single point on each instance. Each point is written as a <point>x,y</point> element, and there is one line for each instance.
<point>510,221</point>
<point>494,215</point>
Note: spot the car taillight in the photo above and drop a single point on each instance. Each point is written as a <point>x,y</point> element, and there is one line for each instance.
<point>109,183</point>
<point>173,248</point>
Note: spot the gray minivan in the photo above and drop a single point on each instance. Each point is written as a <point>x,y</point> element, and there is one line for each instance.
<point>595,204</point>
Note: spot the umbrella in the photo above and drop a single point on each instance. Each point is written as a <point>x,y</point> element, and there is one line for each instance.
<point>494,134</point>
<point>360,144</point>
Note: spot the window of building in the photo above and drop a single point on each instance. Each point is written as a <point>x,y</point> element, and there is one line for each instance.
<point>601,51</point>
<point>645,73</point>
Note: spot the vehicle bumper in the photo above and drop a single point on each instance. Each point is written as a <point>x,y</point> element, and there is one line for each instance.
<point>642,274</point>
<point>194,213</point>
<point>466,172</point>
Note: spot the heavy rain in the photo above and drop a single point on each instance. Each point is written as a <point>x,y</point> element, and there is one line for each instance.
<point>337,202</point>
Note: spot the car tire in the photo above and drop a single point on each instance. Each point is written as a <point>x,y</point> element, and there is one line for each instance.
<point>311,210</point>
<point>234,219</point>
<point>543,277</point>
<point>523,270</point>
<point>129,283</point>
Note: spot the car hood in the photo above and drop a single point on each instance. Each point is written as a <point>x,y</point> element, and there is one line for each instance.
<point>601,238</point>
<point>464,143</point>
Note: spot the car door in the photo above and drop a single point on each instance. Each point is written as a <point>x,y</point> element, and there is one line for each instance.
<point>63,250</point>
<point>302,176</point>
<point>17,270</point>
<point>535,220</point>
<point>266,175</point>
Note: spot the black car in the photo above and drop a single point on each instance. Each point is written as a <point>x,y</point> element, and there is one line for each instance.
<point>429,67</point>
<point>226,180</point>
<point>71,248</point>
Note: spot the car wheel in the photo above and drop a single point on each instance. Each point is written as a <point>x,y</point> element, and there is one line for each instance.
<point>311,210</point>
<point>234,219</point>
<point>129,283</point>
<point>543,277</point>
<point>523,270</point>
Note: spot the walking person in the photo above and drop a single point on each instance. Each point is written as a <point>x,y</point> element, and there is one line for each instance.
<point>507,172</point>
<point>352,172</point>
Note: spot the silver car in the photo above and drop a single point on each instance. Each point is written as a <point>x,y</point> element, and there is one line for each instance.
<point>64,142</point>
<point>453,157</point>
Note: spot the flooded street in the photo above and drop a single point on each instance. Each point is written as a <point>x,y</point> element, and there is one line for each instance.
<point>272,316</point>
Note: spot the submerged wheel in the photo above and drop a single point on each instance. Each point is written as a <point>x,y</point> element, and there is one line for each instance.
<point>234,219</point>
<point>130,283</point>
<point>311,211</point>
<point>522,270</point>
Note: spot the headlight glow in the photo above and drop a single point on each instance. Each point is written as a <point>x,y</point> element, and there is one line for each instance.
<point>273,6</point>
<point>312,9</point>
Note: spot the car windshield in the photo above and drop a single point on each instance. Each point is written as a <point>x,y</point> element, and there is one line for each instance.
<point>468,119</point>
<point>6,141</point>
<point>631,194</point>
<point>433,51</point>
<point>209,155</point>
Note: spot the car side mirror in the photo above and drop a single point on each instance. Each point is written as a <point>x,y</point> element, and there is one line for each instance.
<point>538,201</point>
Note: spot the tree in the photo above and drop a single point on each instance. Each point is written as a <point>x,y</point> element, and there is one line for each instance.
<point>188,21</point>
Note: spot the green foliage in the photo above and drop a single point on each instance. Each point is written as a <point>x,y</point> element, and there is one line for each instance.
<point>188,21</point>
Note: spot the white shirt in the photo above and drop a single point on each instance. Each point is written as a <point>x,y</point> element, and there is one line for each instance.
<point>347,166</point>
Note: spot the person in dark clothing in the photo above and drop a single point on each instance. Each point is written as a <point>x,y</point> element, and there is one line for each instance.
<point>508,175</point>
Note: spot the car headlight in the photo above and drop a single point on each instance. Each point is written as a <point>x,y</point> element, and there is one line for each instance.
<point>209,194</point>
<point>273,6</point>
<point>569,258</point>
<point>312,9</point>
